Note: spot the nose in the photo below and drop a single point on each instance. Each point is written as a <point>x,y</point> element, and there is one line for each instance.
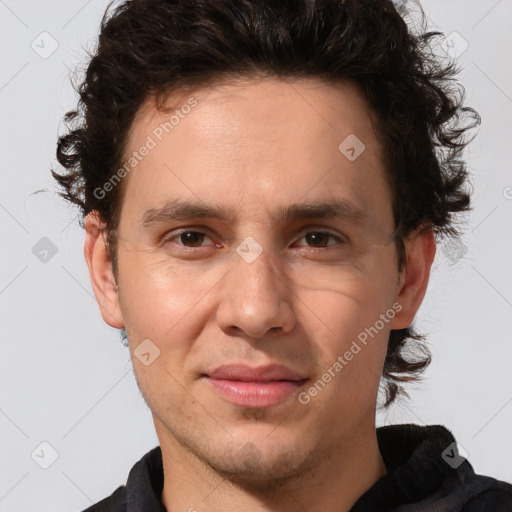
<point>255,298</point>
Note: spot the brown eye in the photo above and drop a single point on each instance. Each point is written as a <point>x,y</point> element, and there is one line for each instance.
<point>194,238</point>
<point>320,239</point>
<point>187,238</point>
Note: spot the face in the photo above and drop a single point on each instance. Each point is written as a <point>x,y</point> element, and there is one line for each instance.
<point>258,338</point>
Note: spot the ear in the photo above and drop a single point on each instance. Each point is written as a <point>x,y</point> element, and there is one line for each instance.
<point>421,250</point>
<point>100,271</point>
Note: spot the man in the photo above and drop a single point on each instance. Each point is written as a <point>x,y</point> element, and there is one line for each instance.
<point>262,191</point>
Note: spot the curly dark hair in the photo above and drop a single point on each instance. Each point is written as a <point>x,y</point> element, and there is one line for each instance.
<point>151,48</point>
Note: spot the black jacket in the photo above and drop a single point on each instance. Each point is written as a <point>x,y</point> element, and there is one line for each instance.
<point>425,474</point>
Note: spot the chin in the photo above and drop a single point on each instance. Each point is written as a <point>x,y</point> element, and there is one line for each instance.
<point>258,459</point>
<point>250,467</point>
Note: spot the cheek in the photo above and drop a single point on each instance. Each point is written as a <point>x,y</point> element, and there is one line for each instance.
<point>351,321</point>
<point>160,296</point>
<point>344,309</point>
<point>159,304</point>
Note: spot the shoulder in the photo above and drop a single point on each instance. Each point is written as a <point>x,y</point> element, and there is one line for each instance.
<point>143,488</point>
<point>490,495</point>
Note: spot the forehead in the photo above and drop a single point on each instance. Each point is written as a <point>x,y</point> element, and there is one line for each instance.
<point>265,105</point>
<point>258,144</point>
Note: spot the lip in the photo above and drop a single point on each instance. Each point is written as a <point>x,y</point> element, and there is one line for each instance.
<point>247,386</point>
<point>246,373</point>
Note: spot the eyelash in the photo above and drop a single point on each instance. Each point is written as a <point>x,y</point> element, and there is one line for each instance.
<point>341,240</point>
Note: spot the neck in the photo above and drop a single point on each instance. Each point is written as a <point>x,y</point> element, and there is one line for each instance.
<point>334,484</point>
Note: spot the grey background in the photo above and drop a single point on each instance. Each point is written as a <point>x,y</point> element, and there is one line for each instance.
<point>66,378</point>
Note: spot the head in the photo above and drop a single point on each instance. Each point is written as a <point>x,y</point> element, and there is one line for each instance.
<point>245,109</point>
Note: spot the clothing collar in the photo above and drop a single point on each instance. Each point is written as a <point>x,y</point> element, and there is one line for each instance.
<point>417,460</point>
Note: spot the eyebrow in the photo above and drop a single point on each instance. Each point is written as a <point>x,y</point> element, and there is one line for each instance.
<point>179,210</point>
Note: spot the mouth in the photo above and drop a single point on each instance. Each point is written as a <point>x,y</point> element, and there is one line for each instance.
<point>261,387</point>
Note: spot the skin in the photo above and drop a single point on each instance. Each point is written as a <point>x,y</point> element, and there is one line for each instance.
<point>254,146</point>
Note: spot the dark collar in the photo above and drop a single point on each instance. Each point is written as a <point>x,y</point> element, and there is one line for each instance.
<point>418,462</point>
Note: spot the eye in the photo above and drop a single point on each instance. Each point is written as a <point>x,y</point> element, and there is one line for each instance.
<point>189,238</point>
<point>319,239</point>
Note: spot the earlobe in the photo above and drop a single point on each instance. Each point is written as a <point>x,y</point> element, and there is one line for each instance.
<point>100,271</point>
<point>421,250</point>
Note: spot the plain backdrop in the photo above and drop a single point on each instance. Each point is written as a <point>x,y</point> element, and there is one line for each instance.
<point>66,380</point>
